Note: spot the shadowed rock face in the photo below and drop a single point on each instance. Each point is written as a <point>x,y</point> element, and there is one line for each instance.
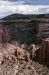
<point>19,31</point>
<point>23,28</point>
<point>42,53</point>
<point>4,35</point>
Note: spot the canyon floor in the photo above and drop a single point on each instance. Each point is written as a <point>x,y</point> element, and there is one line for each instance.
<point>12,64</point>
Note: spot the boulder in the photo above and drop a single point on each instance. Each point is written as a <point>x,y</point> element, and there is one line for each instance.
<point>22,54</point>
<point>32,51</point>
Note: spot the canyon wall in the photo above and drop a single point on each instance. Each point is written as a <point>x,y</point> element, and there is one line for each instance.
<point>26,31</point>
<point>22,31</point>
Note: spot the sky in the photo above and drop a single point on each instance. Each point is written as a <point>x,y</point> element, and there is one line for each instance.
<point>8,7</point>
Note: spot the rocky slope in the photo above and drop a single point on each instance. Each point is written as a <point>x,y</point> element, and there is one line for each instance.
<point>16,61</point>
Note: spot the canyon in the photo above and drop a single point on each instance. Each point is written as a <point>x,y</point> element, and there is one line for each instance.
<point>22,40</point>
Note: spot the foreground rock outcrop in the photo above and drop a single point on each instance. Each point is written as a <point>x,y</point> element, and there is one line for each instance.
<point>15,60</point>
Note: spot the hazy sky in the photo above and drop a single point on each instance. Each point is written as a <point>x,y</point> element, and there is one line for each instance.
<point>8,7</point>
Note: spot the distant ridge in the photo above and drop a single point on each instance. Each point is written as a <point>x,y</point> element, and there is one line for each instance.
<point>23,17</point>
